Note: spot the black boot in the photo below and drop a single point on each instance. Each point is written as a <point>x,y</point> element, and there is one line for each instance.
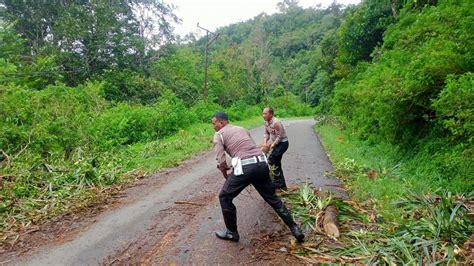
<point>226,234</point>
<point>297,233</point>
<point>279,182</point>
<point>294,228</point>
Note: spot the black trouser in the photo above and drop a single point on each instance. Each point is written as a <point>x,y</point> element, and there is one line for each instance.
<point>275,160</point>
<point>256,174</point>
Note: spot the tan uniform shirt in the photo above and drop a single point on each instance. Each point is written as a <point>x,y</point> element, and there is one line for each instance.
<point>236,141</point>
<point>275,131</point>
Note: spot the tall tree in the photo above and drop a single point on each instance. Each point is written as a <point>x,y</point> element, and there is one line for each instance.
<point>361,32</point>
<point>90,36</point>
<point>286,6</point>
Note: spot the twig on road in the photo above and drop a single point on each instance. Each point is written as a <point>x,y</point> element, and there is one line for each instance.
<point>187,202</point>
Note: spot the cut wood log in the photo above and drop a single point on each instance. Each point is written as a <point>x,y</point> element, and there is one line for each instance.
<point>330,224</point>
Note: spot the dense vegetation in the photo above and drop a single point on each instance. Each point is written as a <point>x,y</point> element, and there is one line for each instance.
<point>91,90</point>
<point>93,94</point>
<point>418,92</point>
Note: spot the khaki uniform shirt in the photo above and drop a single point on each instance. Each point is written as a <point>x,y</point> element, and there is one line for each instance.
<point>236,141</point>
<point>275,131</point>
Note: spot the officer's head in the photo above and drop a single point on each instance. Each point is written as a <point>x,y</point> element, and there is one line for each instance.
<point>219,120</point>
<point>267,113</point>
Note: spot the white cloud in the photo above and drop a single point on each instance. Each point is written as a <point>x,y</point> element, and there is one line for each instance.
<point>213,14</point>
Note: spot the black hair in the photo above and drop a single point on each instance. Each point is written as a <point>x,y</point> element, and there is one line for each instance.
<point>270,110</point>
<point>221,116</point>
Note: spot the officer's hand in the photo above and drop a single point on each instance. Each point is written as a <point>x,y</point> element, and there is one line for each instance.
<point>223,167</point>
<point>224,173</point>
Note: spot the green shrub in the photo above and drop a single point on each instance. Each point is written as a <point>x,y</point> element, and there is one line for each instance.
<point>129,86</point>
<point>286,106</point>
<point>47,121</point>
<point>237,112</point>
<point>204,111</point>
<point>126,124</point>
<point>391,99</point>
<point>241,111</point>
<point>173,115</point>
<point>455,106</point>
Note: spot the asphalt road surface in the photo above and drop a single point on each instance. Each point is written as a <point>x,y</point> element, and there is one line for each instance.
<point>171,216</point>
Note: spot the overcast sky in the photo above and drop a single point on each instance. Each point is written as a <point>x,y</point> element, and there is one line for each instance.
<point>212,14</point>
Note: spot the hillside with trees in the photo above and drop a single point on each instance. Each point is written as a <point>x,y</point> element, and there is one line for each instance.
<point>91,92</point>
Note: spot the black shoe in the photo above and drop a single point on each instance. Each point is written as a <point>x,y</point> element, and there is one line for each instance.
<point>297,233</point>
<point>226,234</point>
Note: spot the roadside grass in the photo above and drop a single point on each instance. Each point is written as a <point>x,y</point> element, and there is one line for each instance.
<point>169,152</point>
<point>33,190</point>
<point>401,211</point>
<point>369,173</point>
<point>380,172</point>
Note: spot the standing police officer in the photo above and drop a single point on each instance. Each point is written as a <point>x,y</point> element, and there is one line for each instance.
<point>250,167</point>
<point>275,132</point>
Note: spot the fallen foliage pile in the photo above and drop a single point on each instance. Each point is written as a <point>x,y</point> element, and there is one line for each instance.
<point>433,229</point>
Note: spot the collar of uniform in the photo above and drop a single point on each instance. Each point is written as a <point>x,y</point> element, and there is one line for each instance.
<point>269,122</point>
<point>222,129</point>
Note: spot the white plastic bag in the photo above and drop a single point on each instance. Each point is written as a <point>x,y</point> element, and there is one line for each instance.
<point>237,165</point>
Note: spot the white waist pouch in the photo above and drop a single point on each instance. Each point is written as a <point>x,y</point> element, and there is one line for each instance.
<point>237,165</point>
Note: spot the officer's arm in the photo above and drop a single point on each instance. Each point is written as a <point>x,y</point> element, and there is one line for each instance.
<point>277,134</point>
<point>223,168</point>
<point>266,135</point>
<point>220,155</point>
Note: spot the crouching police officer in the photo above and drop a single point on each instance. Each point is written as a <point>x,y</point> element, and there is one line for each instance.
<point>249,167</point>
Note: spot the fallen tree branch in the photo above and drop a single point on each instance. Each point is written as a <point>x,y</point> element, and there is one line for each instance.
<point>319,258</point>
<point>7,158</point>
<point>189,203</point>
<point>354,259</point>
<point>308,260</point>
<point>23,148</point>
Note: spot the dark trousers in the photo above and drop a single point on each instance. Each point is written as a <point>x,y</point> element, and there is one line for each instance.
<point>256,174</point>
<point>275,160</point>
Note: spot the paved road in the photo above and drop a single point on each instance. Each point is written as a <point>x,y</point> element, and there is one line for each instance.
<point>153,226</point>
